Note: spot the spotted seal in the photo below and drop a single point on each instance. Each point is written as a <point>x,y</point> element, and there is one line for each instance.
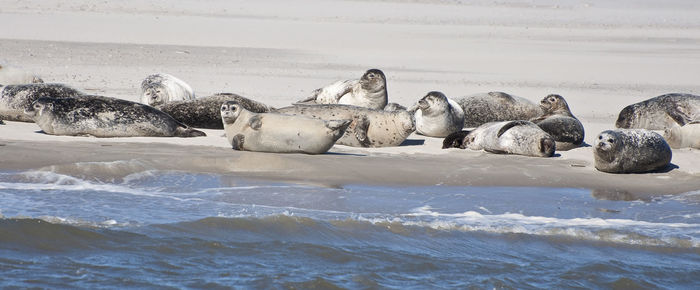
<point>279,133</point>
<point>370,127</point>
<point>369,91</point>
<point>205,112</point>
<point>686,136</point>
<point>14,99</point>
<point>660,112</point>
<point>630,151</point>
<point>496,106</point>
<point>438,116</point>
<point>104,117</point>
<point>508,137</point>
<point>558,121</point>
<point>14,76</point>
<point>158,89</point>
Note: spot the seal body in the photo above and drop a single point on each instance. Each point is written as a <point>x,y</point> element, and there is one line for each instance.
<point>205,112</point>
<point>686,136</point>
<point>104,117</point>
<point>369,128</point>
<point>273,132</point>
<point>14,76</point>
<point>660,112</point>
<point>369,91</point>
<point>558,121</point>
<point>508,137</point>
<point>630,151</point>
<point>438,116</point>
<point>394,107</point>
<point>158,89</point>
<point>14,99</point>
<point>496,106</point>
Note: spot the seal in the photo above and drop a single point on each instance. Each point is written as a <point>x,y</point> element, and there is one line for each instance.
<point>369,128</point>
<point>558,121</point>
<point>630,151</point>
<point>158,89</point>
<point>14,76</point>
<point>104,117</point>
<point>14,99</point>
<point>686,136</point>
<point>660,112</point>
<point>496,106</point>
<point>394,107</point>
<point>369,91</point>
<point>278,133</point>
<point>438,116</point>
<point>508,137</point>
<point>205,112</point>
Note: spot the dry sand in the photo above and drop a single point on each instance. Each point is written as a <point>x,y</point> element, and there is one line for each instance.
<point>600,56</point>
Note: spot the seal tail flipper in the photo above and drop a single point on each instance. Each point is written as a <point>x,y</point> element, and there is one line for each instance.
<point>511,124</point>
<point>360,127</point>
<point>187,132</point>
<point>455,140</point>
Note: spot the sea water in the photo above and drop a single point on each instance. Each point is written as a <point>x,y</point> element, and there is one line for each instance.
<point>162,229</point>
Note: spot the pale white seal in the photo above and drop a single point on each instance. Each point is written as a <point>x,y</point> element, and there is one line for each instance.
<point>104,117</point>
<point>369,91</point>
<point>496,106</point>
<point>660,112</point>
<point>10,75</point>
<point>558,121</point>
<point>438,115</point>
<point>630,151</point>
<point>279,133</point>
<point>686,136</point>
<point>370,127</point>
<point>158,89</point>
<point>508,137</point>
<point>14,99</point>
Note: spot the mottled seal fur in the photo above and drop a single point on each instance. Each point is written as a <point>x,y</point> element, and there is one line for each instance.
<point>558,121</point>
<point>158,89</point>
<point>630,151</point>
<point>278,133</point>
<point>14,76</point>
<point>438,116</point>
<point>104,117</point>
<point>394,107</point>
<point>686,136</point>
<point>205,112</point>
<point>14,99</point>
<point>508,137</point>
<point>496,106</point>
<point>660,112</point>
<point>369,91</point>
<point>370,127</point>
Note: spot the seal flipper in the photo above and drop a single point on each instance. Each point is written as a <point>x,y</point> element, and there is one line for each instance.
<point>455,140</point>
<point>360,130</point>
<point>510,124</point>
<point>237,142</point>
<point>255,122</point>
<point>188,132</point>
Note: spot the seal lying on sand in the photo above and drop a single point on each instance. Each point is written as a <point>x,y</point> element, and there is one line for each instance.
<point>104,117</point>
<point>686,136</point>
<point>660,112</point>
<point>272,132</point>
<point>370,128</point>
<point>158,89</point>
<point>496,106</point>
<point>509,137</point>
<point>558,121</point>
<point>369,91</point>
<point>438,116</point>
<point>14,76</point>
<point>205,112</point>
<point>630,151</point>
<point>14,99</point>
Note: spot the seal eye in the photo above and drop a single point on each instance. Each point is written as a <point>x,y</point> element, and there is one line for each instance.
<point>610,140</point>
<point>223,108</point>
<point>600,137</point>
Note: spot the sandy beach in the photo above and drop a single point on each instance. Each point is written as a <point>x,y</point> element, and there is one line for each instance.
<point>600,56</point>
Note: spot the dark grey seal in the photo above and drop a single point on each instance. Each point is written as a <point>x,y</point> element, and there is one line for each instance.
<point>104,117</point>
<point>496,106</point>
<point>205,112</point>
<point>369,91</point>
<point>660,112</point>
<point>14,99</point>
<point>558,121</point>
<point>630,151</point>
